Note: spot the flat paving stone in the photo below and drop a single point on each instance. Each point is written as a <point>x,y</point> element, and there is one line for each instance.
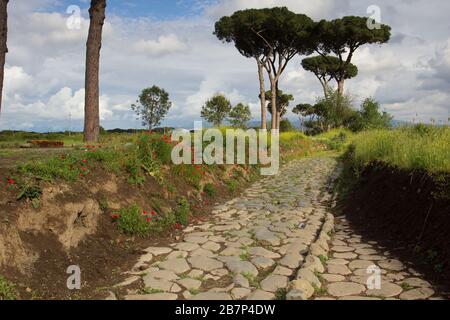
<point>341,289</point>
<point>263,252</point>
<point>391,264</point>
<point>360,264</point>
<point>240,293</point>
<point>261,295</point>
<point>338,269</point>
<point>345,255</point>
<point>333,277</point>
<point>417,294</point>
<point>242,267</point>
<point>386,290</point>
<point>157,251</point>
<point>190,284</point>
<point>274,282</point>
<point>176,265</point>
<point>205,263</point>
<point>342,249</point>
<point>416,282</point>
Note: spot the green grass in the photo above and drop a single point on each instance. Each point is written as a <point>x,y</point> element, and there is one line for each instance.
<point>336,139</point>
<point>11,139</point>
<point>182,212</point>
<point>132,221</point>
<point>210,189</point>
<point>151,291</point>
<point>7,290</point>
<point>420,147</point>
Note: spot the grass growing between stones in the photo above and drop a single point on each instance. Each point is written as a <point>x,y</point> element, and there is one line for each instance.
<point>252,280</point>
<point>319,292</point>
<point>281,294</point>
<point>151,291</point>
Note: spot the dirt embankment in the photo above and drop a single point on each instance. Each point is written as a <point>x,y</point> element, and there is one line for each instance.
<point>73,226</point>
<point>408,213</point>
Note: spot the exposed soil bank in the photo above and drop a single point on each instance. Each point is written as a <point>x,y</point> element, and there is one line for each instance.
<point>408,213</point>
<point>73,226</point>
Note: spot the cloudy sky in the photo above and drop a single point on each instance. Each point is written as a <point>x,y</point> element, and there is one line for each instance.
<point>170,43</point>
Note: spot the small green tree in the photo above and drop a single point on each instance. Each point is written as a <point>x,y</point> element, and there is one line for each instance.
<point>216,109</point>
<point>334,111</point>
<point>326,68</point>
<point>370,117</point>
<point>282,102</point>
<point>240,115</point>
<point>273,36</point>
<point>343,37</point>
<point>152,106</point>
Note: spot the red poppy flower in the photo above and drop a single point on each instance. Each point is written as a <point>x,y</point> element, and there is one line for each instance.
<point>115,216</point>
<point>144,213</point>
<point>149,219</point>
<point>84,161</point>
<point>11,181</point>
<point>81,175</point>
<point>153,213</point>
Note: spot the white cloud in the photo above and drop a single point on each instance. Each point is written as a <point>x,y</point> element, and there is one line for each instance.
<point>315,9</point>
<point>165,44</point>
<point>16,80</point>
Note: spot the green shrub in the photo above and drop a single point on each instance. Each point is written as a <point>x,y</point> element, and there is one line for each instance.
<point>32,193</point>
<point>286,126</point>
<point>191,173</point>
<point>7,290</point>
<point>132,221</point>
<point>162,149</point>
<point>67,167</point>
<point>133,167</point>
<point>182,212</point>
<point>231,185</point>
<point>210,189</point>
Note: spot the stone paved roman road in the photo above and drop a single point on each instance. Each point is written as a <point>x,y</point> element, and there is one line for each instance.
<point>265,244</point>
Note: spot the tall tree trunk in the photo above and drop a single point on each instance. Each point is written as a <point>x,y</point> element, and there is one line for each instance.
<point>273,88</point>
<point>3,45</point>
<point>262,94</point>
<point>278,119</point>
<point>93,46</point>
<point>325,88</point>
<point>341,87</point>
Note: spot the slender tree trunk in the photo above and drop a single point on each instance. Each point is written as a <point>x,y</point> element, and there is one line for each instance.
<point>325,88</point>
<point>262,95</point>
<point>278,120</point>
<point>273,88</point>
<point>3,45</point>
<point>93,46</point>
<point>341,87</point>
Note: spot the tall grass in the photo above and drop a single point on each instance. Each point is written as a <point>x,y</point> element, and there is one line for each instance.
<point>420,147</point>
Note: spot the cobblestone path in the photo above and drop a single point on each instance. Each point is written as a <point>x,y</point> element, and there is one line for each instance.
<point>273,242</point>
<point>347,271</point>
